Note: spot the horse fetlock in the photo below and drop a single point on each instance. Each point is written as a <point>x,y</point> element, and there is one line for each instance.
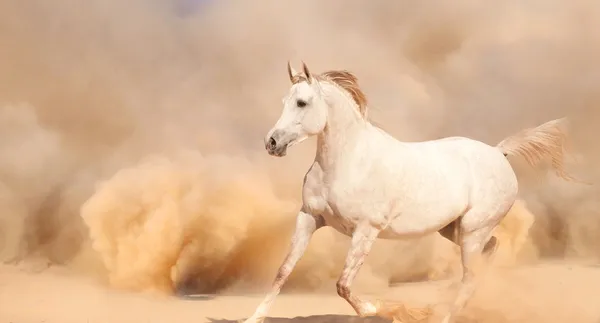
<point>343,289</point>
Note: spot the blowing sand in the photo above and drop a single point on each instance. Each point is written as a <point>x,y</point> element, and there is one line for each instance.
<point>132,167</point>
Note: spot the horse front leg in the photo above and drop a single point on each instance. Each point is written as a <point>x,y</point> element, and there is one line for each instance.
<point>362,242</point>
<point>306,225</point>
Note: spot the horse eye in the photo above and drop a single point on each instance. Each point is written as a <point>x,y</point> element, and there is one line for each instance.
<point>301,103</point>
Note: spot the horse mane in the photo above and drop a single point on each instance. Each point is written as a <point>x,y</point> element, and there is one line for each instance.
<point>344,79</point>
<point>349,82</point>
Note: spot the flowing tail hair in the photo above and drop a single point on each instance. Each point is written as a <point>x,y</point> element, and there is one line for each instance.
<point>535,144</point>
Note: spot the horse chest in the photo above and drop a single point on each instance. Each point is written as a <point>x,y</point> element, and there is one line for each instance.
<point>347,210</point>
<point>343,204</point>
<point>317,200</point>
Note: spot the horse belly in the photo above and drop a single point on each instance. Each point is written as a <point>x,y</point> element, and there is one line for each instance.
<point>415,225</point>
<point>425,216</point>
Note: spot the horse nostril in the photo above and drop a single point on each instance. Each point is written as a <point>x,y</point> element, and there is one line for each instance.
<point>272,143</point>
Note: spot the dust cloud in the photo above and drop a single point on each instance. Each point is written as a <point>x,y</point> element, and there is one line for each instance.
<point>132,131</point>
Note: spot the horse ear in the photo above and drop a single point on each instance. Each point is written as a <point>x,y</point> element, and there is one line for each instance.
<point>307,73</point>
<point>291,72</point>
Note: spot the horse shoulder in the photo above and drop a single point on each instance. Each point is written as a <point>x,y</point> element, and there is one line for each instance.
<point>314,197</point>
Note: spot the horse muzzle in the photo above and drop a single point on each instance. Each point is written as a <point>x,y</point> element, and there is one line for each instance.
<point>277,143</point>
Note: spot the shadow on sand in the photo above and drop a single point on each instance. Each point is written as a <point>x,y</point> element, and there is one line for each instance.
<point>314,319</point>
<point>197,297</point>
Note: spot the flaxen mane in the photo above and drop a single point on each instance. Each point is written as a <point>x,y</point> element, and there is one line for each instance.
<point>348,82</point>
<point>344,79</point>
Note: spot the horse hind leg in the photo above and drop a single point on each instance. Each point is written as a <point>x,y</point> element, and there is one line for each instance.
<point>474,243</point>
<point>452,233</point>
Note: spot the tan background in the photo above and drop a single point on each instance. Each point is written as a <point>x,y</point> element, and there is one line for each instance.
<point>132,166</point>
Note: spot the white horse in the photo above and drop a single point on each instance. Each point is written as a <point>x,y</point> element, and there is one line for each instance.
<point>367,185</point>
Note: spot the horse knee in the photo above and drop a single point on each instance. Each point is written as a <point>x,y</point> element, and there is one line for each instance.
<point>343,289</point>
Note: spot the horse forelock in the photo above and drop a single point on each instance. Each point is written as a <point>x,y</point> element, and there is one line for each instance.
<point>344,79</point>
<point>298,78</point>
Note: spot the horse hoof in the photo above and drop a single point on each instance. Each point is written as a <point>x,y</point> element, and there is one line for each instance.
<point>368,309</point>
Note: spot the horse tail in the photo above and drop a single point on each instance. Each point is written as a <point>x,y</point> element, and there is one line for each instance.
<point>534,144</point>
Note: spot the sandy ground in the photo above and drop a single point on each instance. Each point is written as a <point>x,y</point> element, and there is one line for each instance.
<point>541,293</point>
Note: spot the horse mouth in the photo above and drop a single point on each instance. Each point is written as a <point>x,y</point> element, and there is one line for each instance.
<point>278,151</point>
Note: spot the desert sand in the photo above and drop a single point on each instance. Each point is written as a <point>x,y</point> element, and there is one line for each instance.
<point>133,172</point>
<point>543,293</point>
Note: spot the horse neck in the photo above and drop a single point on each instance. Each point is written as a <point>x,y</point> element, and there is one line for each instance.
<point>344,125</point>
